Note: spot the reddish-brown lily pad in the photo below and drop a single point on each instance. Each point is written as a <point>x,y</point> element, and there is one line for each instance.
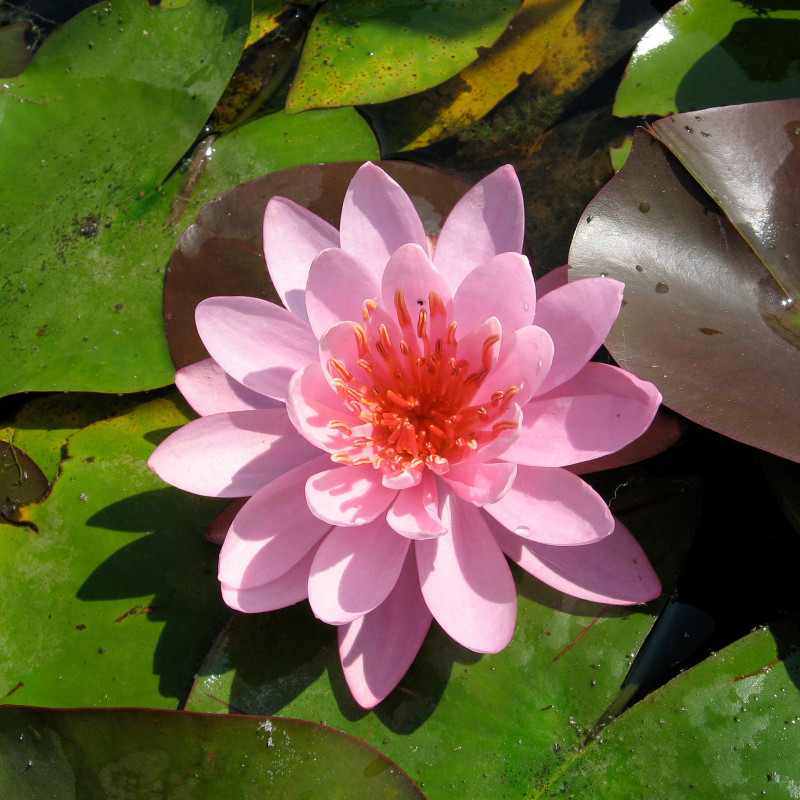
<point>221,254</point>
<point>703,226</point>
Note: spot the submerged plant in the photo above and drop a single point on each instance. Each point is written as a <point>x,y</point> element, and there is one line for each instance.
<point>403,424</point>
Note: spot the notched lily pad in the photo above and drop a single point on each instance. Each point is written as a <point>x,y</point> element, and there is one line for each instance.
<point>222,253</point>
<point>704,233</point>
<point>129,752</point>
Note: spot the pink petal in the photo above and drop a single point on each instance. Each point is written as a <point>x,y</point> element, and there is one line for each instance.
<point>217,529</point>
<point>666,430</point>
<point>311,405</point>
<point>410,271</point>
<point>293,237</point>
<point>525,359</point>
<point>553,506</point>
<point>578,317</point>
<point>378,218</point>
<point>288,589</point>
<point>613,570</point>
<point>272,532</point>
<point>479,483</point>
<point>504,285</point>
<point>338,285</point>
<point>210,390</point>
<point>600,410</point>
<point>257,343</point>
<point>348,496</point>
<point>377,649</point>
<point>231,455</point>
<point>415,512</point>
<point>466,581</point>
<point>552,280</point>
<point>354,571</point>
<point>487,221</point>
<point>472,346</point>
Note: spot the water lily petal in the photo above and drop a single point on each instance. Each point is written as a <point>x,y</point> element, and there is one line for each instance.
<point>231,455</point>
<point>293,237</point>
<point>505,285</point>
<point>480,347</point>
<point>415,512</point>
<point>410,271</point>
<point>488,220</point>
<point>553,506</point>
<point>217,529</point>
<point>348,495</point>
<point>354,571</point>
<point>600,410</point>
<point>480,483</point>
<point>378,217</point>
<point>614,570</point>
<point>288,589</point>
<point>257,343</point>
<point>377,649</point>
<point>273,531</point>
<point>525,358</point>
<point>665,431</point>
<point>338,285</point>
<point>466,581</point>
<point>312,406</point>
<point>578,316</point>
<point>208,389</point>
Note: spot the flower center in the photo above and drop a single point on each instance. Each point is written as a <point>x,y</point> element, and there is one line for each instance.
<point>415,395</point>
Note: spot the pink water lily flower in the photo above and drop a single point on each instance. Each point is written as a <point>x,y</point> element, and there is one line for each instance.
<point>403,425</point>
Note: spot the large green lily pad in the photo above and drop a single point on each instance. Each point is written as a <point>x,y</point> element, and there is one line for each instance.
<point>705,53</point>
<point>137,753</point>
<point>461,724</point>
<point>90,130</point>
<point>726,728</point>
<point>703,232</point>
<point>109,593</point>
<point>371,51</point>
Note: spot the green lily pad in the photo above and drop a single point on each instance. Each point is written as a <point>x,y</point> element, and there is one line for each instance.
<point>710,314</point>
<point>371,51</point>
<point>465,725</point>
<point>706,53</point>
<point>112,599</point>
<point>141,752</point>
<point>90,130</point>
<point>726,728</point>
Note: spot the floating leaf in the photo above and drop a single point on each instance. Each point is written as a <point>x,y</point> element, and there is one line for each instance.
<point>462,724</point>
<point>724,728</point>
<point>371,51</point>
<point>221,254</point>
<point>709,315</point>
<point>96,122</point>
<point>21,480</point>
<point>422,119</point>
<point>114,600</point>
<point>706,53</point>
<point>126,752</point>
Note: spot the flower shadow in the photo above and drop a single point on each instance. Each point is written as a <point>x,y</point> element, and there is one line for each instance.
<point>169,576</point>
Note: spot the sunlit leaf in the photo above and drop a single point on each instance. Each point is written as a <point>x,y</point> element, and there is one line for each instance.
<point>371,51</point>
<point>135,753</point>
<point>112,598</point>
<point>724,728</point>
<point>705,53</point>
<point>461,724</point>
<point>709,312</point>
<point>96,122</point>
